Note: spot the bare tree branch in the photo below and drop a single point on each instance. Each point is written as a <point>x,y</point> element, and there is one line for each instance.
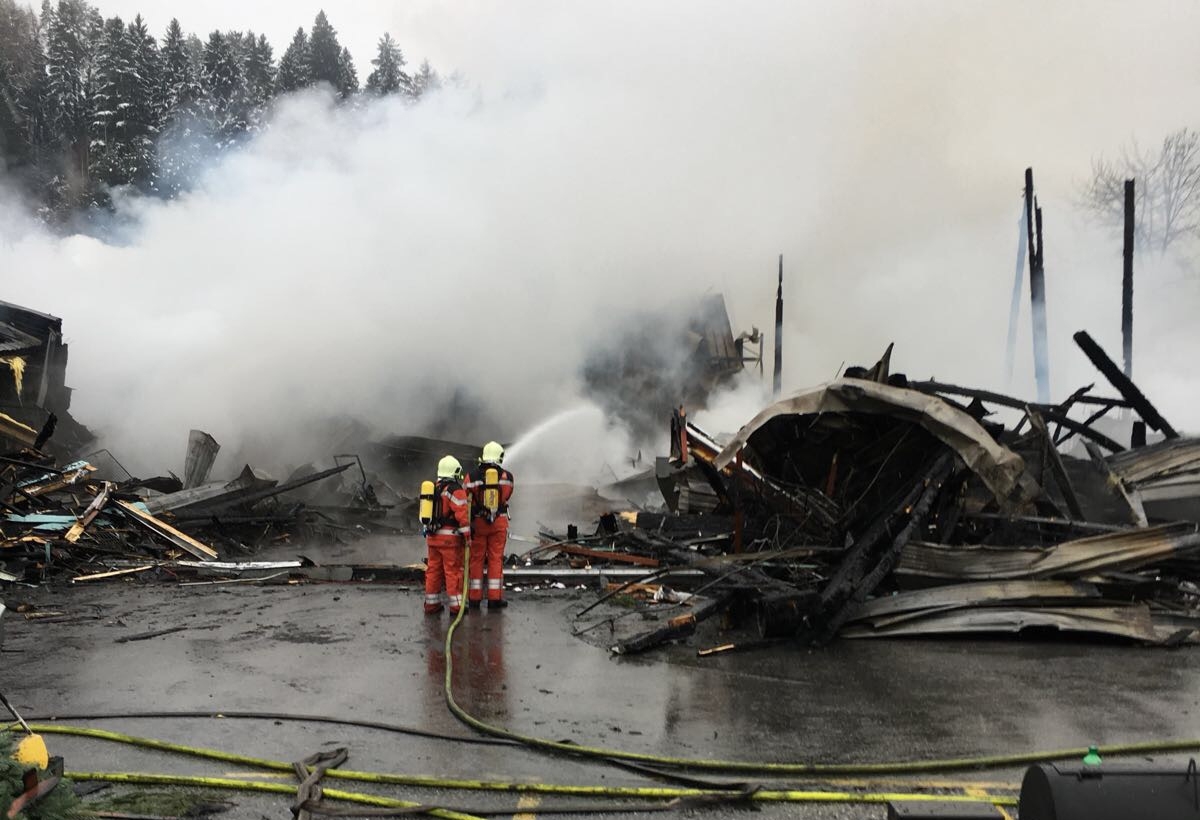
<point>1167,191</point>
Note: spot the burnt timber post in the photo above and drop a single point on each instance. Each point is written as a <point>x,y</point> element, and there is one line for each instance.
<point>1127,283</point>
<point>1037,290</point>
<point>777,373</point>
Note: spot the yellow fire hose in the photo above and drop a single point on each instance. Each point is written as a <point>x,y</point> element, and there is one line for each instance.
<point>791,795</point>
<point>138,778</point>
<point>430,782</point>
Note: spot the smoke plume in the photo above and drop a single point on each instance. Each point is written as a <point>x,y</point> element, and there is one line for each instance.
<point>377,261</point>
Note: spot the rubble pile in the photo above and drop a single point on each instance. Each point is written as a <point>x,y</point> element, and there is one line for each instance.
<point>66,518</point>
<point>873,507</point>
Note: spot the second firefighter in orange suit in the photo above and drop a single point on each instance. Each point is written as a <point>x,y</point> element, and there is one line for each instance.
<point>446,538</point>
<point>491,487</point>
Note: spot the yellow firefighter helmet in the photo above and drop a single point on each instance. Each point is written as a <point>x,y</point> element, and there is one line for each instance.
<point>449,467</point>
<point>493,453</point>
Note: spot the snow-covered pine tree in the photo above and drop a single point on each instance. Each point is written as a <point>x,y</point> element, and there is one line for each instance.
<point>144,119</point>
<point>388,77</point>
<point>69,42</point>
<point>425,80</point>
<point>183,112</point>
<point>226,87</point>
<point>195,52</point>
<point>109,147</point>
<point>295,70</point>
<point>260,77</point>
<point>347,81</point>
<point>179,87</point>
<point>22,85</point>
<point>237,45</point>
<point>324,53</point>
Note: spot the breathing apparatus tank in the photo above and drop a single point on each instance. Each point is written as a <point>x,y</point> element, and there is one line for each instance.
<point>491,492</point>
<point>425,509</point>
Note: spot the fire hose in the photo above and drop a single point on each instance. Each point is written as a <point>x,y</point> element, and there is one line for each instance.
<point>811,794</point>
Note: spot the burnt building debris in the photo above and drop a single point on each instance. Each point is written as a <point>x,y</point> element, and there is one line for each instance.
<point>661,358</point>
<point>57,519</point>
<point>873,506</point>
<point>33,389</point>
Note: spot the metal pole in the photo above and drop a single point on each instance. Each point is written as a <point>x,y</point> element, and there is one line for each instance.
<point>777,381</point>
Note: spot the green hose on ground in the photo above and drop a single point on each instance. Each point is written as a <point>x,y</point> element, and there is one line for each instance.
<point>791,796</point>
<point>641,792</point>
<point>139,778</point>
<point>753,767</point>
<point>432,782</point>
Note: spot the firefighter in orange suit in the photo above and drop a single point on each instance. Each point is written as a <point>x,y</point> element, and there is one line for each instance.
<point>489,526</point>
<point>446,538</point>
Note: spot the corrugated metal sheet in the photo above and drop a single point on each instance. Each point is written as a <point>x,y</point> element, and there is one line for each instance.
<point>1084,557</point>
<point>1131,621</point>
<point>13,338</point>
<point>1002,470</point>
<point>1158,461</point>
<point>894,608</point>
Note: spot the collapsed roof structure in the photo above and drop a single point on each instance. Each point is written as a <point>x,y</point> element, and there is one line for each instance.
<point>874,506</point>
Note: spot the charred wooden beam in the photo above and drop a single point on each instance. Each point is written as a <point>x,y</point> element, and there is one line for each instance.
<point>1037,289</point>
<point>853,568</point>
<point>1124,385</point>
<point>1047,411</point>
<point>782,615</point>
<point>677,627</point>
<point>1127,281</point>
<point>1056,463</point>
<point>928,490</point>
<point>777,372</point>
<point>933,387</point>
<point>1131,498</point>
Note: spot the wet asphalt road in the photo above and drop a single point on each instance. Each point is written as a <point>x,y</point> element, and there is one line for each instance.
<point>369,653</point>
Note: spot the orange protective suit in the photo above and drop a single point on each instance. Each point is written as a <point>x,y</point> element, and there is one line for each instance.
<point>488,536</point>
<point>445,543</point>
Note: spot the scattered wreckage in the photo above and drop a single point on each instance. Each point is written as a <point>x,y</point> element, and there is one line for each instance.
<point>877,507</point>
<point>57,518</point>
<point>868,507</point>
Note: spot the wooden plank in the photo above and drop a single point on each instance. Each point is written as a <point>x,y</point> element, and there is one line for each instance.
<point>619,557</point>
<point>89,515</point>
<point>12,429</point>
<point>60,483</point>
<point>164,530</point>
<point>112,574</point>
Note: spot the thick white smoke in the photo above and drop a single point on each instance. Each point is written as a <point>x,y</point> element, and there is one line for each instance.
<point>365,261</point>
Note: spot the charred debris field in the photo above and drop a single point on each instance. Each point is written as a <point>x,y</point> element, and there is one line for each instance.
<point>784,553</point>
<point>873,506</point>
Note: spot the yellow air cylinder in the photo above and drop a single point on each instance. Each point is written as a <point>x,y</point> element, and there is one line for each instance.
<point>425,510</point>
<point>491,491</point>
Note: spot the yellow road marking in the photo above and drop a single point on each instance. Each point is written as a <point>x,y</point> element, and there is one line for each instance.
<point>975,791</point>
<point>527,801</point>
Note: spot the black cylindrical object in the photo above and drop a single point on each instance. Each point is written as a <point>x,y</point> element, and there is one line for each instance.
<point>1052,792</point>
